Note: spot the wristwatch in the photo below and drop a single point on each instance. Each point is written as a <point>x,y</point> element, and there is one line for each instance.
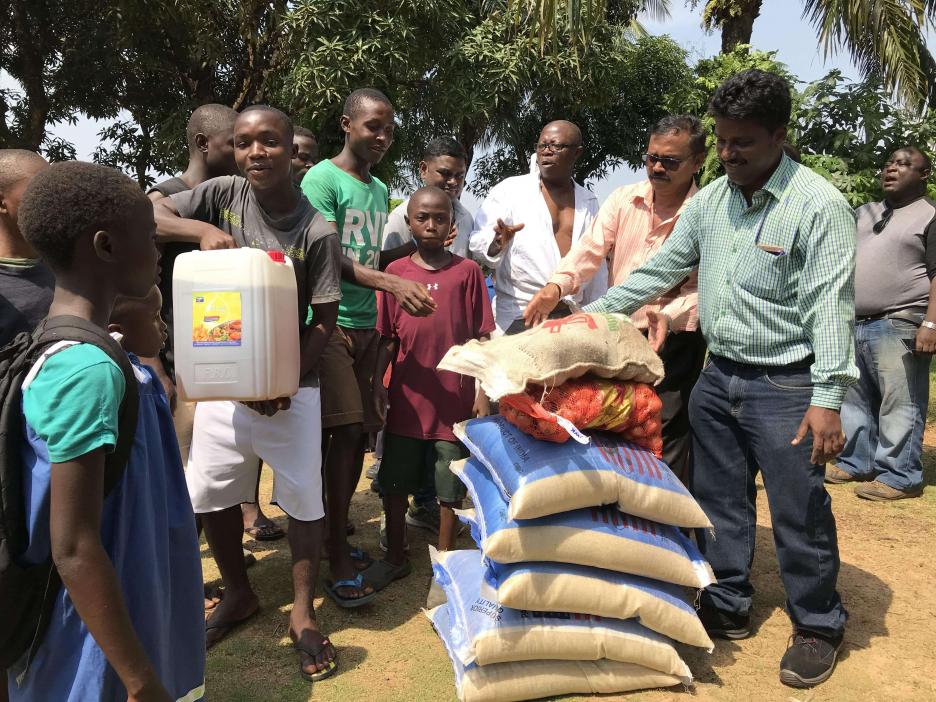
<point>928,324</point>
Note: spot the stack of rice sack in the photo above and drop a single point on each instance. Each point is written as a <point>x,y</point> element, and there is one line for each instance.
<point>582,582</point>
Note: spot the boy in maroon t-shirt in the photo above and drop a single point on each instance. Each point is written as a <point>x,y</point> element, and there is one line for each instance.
<point>424,403</point>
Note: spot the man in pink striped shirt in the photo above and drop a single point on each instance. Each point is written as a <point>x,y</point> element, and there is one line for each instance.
<point>630,228</point>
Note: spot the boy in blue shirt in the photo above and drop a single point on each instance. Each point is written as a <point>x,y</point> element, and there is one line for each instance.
<point>127,623</point>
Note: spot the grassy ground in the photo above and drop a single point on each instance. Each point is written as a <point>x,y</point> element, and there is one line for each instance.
<point>388,652</point>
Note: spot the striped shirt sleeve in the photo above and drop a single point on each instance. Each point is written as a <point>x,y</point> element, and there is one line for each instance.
<point>826,301</point>
<point>671,265</point>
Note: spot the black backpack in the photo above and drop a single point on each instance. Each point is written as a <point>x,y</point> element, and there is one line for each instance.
<point>28,594</point>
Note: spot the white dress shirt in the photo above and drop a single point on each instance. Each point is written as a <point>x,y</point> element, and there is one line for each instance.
<point>527,262</point>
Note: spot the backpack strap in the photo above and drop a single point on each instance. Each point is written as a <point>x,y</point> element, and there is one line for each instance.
<point>68,328</point>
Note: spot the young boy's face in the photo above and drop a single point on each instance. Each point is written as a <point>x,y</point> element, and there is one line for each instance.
<point>370,132</point>
<point>430,219</point>
<point>306,157</point>
<point>264,150</point>
<point>134,256</point>
<point>446,173</point>
<point>141,324</point>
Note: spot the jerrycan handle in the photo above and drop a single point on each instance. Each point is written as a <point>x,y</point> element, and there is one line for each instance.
<point>277,256</point>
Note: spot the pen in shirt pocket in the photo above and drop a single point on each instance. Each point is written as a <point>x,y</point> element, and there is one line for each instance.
<point>772,250</point>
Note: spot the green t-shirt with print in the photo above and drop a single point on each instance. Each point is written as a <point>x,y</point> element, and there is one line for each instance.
<point>359,211</point>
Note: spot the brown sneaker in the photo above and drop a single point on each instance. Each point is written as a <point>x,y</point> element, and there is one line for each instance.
<point>836,476</point>
<point>879,492</point>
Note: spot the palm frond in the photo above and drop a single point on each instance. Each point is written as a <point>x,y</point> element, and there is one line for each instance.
<point>885,37</point>
<point>659,10</point>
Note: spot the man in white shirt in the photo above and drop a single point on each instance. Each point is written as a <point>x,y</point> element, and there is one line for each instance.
<point>553,212</point>
<point>444,164</point>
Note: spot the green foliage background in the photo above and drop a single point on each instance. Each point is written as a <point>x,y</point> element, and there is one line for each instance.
<point>474,69</point>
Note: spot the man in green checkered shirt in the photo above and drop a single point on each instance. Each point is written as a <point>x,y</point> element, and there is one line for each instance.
<point>775,247</point>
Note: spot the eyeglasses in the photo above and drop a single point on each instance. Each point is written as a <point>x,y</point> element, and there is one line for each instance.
<point>885,220</point>
<point>668,162</point>
<point>554,148</point>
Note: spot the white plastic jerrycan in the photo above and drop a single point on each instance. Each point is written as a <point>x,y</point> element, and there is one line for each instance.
<point>236,325</point>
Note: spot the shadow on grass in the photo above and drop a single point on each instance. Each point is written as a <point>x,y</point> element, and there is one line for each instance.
<point>866,597</point>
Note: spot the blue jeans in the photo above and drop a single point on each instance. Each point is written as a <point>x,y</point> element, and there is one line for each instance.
<point>743,419</point>
<point>884,414</point>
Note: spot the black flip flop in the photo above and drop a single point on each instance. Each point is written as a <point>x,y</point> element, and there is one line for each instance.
<point>224,627</point>
<point>326,672</point>
<point>382,573</point>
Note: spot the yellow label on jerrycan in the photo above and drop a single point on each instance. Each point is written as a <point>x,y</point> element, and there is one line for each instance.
<point>235,325</point>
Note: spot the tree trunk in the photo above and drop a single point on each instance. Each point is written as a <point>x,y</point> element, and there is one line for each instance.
<point>30,77</point>
<point>736,27</point>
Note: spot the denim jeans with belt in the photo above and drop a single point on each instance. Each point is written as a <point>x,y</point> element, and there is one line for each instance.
<point>884,414</point>
<point>743,420</point>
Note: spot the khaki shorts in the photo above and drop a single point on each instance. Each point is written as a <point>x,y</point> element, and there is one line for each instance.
<point>348,362</point>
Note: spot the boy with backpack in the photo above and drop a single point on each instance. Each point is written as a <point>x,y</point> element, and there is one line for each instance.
<point>98,488</point>
<point>424,403</point>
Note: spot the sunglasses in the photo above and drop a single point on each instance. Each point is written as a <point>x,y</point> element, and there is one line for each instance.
<point>669,163</point>
<point>885,220</point>
<point>554,148</point>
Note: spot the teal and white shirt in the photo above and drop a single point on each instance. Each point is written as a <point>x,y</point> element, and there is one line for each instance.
<point>776,278</point>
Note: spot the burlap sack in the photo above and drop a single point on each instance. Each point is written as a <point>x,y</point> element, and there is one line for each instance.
<point>606,345</point>
<point>528,680</point>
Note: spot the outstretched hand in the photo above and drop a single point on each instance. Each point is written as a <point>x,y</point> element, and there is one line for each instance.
<point>412,297</point>
<point>658,328</point>
<point>542,304</point>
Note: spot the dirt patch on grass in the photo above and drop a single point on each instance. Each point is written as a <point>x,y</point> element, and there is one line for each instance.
<point>389,652</point>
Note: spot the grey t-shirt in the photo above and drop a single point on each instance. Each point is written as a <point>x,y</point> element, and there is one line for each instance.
<point>304,235</point>
<point>26,288</point>
<point>397,232</point>
<point>893,267</point>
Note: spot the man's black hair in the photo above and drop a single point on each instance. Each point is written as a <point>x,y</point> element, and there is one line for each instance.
<point>72,199</point>
<point>754,95</point>
<point>14,165</point>
<point>303,132</point>
<point>677,124</point>
<point>279,114</point>
<point>209,120</point>
<point>360,96</point>
<point>927,161</point>
<point>444,146</point>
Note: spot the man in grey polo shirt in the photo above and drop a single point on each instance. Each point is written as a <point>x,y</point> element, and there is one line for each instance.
<point>895,332</point>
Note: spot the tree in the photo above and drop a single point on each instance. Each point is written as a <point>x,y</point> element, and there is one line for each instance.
<point>846,131</point>
<point>44,47</point>
<point>480,79</point>
<point>884,37</point>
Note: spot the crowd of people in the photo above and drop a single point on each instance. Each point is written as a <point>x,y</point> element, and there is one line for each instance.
<point>795,335</point>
